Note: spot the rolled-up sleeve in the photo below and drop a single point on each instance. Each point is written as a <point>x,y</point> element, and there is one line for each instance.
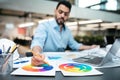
<point>74,45</point>
<point>39,36</point>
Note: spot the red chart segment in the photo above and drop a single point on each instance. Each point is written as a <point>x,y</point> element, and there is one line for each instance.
<point>75,67</point>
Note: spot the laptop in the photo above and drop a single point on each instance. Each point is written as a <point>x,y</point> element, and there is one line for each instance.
<point>100,61</point>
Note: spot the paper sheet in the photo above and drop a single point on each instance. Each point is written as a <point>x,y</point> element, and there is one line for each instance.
<point>21,62</point>
<point>55,60</point>
<point>78,69</point>
<point>43,70</point>
<point>70,68</point>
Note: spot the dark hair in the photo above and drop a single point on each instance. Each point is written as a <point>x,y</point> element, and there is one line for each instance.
<point>66,3</point>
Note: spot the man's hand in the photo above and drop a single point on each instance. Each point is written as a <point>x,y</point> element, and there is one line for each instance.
<point>94,46</point>
<point>85,47</point>
<point>37,59</point>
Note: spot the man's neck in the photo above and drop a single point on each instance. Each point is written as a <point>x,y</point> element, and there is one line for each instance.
<point>61,26</point>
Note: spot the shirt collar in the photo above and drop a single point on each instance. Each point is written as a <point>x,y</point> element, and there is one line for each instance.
<point>56,26</point>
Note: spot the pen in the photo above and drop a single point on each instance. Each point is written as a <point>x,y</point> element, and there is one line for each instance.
<point>11,52</point>
<point>3,48</point>
<point>8,56</point>
<point>14,48</point>
<point>8,50</point>
<point>1,56</point>
<point>0,51</point>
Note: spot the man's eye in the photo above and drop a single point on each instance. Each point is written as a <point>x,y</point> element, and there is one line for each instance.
<point>60,12</point>
<point>66,14</point>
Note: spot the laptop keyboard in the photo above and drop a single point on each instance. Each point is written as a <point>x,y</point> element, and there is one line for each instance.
<point>90,59</point>
<point>95,60</point>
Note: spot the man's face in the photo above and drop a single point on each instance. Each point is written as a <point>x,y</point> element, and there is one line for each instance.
<point>62,14</point>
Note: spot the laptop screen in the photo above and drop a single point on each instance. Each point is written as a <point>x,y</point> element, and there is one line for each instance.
<point>99,61</point>
<point>112,52</point>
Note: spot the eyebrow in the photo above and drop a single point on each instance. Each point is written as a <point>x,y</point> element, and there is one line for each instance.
<point>64,11</point>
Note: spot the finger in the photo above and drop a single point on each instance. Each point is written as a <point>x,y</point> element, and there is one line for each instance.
<point>42,56</point>
<point>33,62</point>
<point>39,57</point>
<point>36,62</point>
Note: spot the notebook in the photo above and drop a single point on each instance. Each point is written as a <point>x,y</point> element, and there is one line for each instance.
<point>100,61</point>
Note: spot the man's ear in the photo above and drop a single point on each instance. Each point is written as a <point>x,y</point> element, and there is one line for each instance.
<point>54,10</point>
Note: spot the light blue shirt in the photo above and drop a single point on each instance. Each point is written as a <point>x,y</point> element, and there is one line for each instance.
<point>50,39</point>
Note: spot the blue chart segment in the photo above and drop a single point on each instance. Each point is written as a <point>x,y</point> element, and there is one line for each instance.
<point>75,67</point>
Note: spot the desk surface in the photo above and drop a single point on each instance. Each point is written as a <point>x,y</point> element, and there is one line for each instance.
<point>109,74</point>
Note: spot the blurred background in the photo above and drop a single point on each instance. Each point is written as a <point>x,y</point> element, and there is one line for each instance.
<point>91,21</point>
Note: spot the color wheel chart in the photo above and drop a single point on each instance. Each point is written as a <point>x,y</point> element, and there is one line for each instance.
<point>41,68</point>
<point>30,70</point>
<point>75,67</point>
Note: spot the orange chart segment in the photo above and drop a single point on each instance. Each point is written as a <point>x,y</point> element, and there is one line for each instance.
<point>75,67</point>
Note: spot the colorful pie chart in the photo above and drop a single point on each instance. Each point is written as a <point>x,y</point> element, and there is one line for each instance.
<point>41,68</point>
<point>75,67</point>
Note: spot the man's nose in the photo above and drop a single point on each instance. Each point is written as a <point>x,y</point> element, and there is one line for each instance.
<point>63,15</point>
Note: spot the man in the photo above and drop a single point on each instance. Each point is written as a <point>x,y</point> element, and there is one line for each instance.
<point>53,35</point>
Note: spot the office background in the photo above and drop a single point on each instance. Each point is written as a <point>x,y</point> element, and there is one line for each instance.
<point>95,22</point>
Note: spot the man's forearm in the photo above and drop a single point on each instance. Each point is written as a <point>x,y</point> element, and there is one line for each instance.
<point>84,47</point>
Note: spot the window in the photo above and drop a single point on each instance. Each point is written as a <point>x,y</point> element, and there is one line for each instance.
<point>98,4</point>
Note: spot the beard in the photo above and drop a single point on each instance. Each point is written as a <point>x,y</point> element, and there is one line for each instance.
<point>60,21</point>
